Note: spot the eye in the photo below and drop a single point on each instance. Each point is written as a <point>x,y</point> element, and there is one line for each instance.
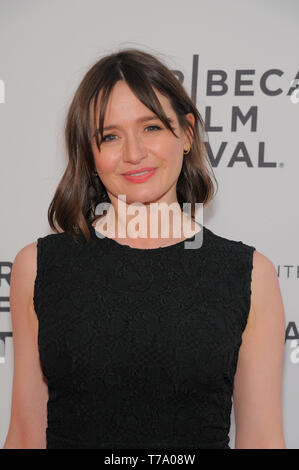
<point>108,135</point>
<point>112,135</point>
<point>155,127</point>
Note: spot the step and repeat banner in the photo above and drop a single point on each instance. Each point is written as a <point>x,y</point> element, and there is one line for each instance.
<point>239,62</point>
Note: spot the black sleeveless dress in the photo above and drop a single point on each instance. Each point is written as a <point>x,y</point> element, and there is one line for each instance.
<point>139,347</point>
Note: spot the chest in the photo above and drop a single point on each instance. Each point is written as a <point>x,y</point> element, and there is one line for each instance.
<point>130,321</point>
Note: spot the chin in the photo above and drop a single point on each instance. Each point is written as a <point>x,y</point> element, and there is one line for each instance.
<point>143,196</point>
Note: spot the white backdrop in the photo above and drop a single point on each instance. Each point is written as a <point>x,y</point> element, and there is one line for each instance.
<point>45,49</point>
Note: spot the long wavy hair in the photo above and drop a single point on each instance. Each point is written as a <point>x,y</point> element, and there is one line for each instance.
<point>79,190</point>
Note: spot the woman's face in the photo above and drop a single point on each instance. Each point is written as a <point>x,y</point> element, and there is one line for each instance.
<point>133,143</point>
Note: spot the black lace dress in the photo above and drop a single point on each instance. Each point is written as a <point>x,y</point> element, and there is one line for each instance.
<point>139,347</point>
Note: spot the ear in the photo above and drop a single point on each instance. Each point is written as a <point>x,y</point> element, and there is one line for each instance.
<point>191,119</point>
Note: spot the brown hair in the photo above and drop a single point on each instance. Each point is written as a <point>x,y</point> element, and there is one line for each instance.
<point>79,191</point>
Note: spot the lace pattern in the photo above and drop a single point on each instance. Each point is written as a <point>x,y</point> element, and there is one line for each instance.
<point>140,347</point>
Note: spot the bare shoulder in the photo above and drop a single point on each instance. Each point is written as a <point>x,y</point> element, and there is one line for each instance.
<point>27,251</point>
<point>26,258</point>
<point>266,298</point>
<point>24,270</point>
<point>264,275</point>
<point>262,265</point>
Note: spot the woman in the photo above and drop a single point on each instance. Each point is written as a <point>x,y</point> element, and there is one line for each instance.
<point>135,342</point>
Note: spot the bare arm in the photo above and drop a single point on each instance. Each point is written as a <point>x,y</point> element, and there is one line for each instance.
<point>258,379</point>
<point>28,420</point>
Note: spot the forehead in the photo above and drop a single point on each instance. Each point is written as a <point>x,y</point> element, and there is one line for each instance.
<point>123,104</point>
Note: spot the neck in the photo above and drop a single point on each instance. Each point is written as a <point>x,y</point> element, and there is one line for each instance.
<point>161,221</point>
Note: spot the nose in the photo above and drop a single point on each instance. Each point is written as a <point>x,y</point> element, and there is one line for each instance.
<point>133,150</point>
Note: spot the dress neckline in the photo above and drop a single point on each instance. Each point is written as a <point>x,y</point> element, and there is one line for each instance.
<point>163,249</point>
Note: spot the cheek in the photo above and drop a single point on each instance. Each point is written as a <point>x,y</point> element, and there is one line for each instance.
<point>166,148</point>
<point>105,163</point>
<point>173,154</point>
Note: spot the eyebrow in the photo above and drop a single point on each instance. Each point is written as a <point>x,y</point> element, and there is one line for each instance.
<point>141,119</point>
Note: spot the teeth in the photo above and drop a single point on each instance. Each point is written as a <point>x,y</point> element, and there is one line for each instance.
<point>137,174</point>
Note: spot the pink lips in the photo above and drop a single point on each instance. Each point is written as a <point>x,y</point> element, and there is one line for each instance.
<point>140,178</point>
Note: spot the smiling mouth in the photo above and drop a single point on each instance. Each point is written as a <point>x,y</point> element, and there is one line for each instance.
<point>141,176</point>
<point>138,174</point>
<point>142,170</point>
